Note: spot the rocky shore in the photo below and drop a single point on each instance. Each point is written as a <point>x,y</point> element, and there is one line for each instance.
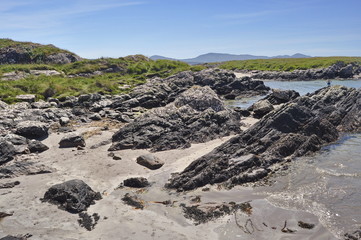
<point>78,167</point>
<point>336,71</point>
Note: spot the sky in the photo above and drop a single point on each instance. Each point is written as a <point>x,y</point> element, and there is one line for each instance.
<point>187,28</point>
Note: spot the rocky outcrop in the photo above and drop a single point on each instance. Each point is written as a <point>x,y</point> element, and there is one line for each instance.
<point>73,196</point>
<point>197,115</point>
<point>26,53</point>
<point>338,70</point>
<point>158,92</point>
<point>298,128</point>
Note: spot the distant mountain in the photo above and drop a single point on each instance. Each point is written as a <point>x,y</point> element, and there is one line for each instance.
<point>223,57</point>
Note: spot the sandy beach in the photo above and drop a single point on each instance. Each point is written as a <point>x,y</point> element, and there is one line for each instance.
<point>155,221</point>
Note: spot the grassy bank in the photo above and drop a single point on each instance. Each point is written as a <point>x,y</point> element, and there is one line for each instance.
<point>131,70</point>
<point>287,64</point>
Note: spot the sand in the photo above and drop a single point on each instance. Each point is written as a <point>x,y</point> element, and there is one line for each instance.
<point>120,221</point>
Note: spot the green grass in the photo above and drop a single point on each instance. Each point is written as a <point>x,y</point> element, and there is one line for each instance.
<point>134,70</point>
<point>287,64</point>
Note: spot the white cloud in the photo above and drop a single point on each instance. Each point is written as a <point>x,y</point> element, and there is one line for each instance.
<point>39,19</point>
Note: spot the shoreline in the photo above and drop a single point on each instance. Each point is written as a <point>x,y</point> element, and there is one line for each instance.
<point>103,174</point>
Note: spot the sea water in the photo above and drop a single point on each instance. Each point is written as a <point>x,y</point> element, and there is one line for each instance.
<point>327,184</point>
<point>302,87</point>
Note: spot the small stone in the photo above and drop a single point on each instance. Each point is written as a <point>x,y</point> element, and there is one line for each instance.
<point>64,121</point>
<point>116,157</point>
<point>150,161</point>
<point>95,117</point>
<point>137,182</point>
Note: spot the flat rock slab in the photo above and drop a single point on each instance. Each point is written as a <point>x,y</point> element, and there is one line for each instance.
<point>72,140</point>
<point>73,196</point>
<point>150,161</point>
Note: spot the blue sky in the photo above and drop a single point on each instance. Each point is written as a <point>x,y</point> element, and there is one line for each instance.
<point>187,28</point>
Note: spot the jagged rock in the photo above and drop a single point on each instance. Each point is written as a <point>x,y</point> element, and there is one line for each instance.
<point>338,70</point>
<point>138,182</point>
<point>150,161</point>
<point>7,151</point>
<point>73,196</point>
<point>281,96</point>
<point>72,140</point>
<point>298,128</point>
<point>197,115</point>
<point>32,129</point>
<point>261,108</point>
<point>159,92</point>
<point>23,168</point>
<point>37,146</point>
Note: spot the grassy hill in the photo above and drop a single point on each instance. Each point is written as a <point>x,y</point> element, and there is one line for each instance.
<point>287,64</point>
<point>27,52</point>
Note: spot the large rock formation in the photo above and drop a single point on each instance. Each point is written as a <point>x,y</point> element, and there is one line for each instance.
<point>338,70</point>
<point>298,128</point>
<point>159,92</point>
<point>197,115</point>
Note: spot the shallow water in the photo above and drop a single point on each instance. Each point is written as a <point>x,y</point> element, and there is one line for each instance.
<point>327,185</point>
<point>303,87</point>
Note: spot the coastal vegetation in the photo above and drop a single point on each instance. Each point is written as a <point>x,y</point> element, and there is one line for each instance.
<point>73,76</point>
<point>105,75</point>
<point>287,64</point>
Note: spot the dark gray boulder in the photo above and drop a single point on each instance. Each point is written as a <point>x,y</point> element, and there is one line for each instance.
<point>197,115</point>
<point>37,146</point>
<point>261,108</point>
<point>150,161</point>
<point>7,151</point>
<point>73,139</point>
<point>298,128</point>
<point>73,196</point>
<point>281,96</point>
<point>32,129</point>
<point>137,182</point>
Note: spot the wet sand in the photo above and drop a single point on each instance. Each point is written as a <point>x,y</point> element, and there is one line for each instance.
<point>156,221</point>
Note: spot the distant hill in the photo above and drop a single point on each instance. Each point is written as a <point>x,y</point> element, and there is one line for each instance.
<point>224,57</point>
<point>15,52</point>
